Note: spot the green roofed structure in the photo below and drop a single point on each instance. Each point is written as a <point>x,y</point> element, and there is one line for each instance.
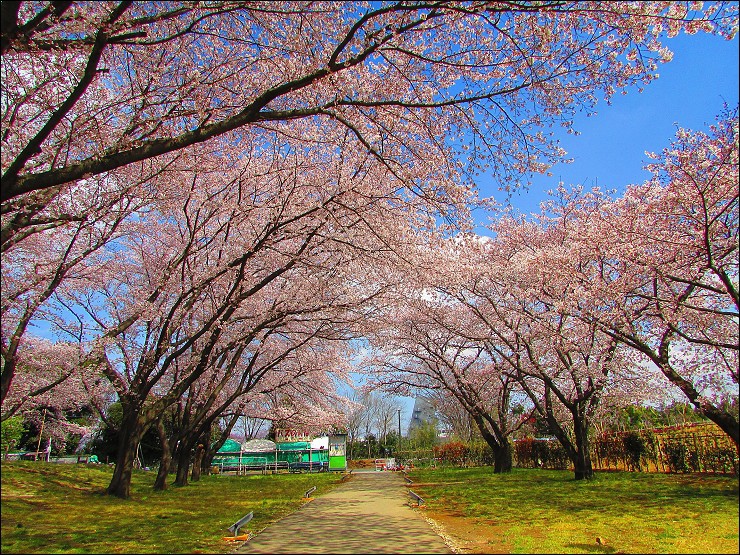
<point>318,455</point>
<point>245,456</point>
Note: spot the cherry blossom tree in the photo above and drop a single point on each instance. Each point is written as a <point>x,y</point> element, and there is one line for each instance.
<point>562,364</point>
<point>100,92</point>
<point>51,248</point>
<point>430,343</point>
<point>657,269</point>
<point>566,373</point>
<point>91,87</point>
<point>585,300</point>
<point>52,387</point>
<point>203,171</point>
<point>671,251</point>
<point>229,261</point>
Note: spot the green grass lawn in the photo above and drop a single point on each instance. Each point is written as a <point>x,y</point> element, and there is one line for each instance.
<point>56,508</point>
<point>60,508</point>
<point>547,511</point>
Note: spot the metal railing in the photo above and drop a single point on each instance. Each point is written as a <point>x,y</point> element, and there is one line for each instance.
<point>417,497</point>
<point>234,528</point>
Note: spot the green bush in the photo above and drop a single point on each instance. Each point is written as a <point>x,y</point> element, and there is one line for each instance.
<point>553,455</point>
<point>720,459</point>
<point>679,458</point>
<point>12,431</point>
<point>638,450</point>
<point>480,453</point>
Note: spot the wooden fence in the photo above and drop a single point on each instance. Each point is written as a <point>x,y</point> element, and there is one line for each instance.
<point>696,447</point>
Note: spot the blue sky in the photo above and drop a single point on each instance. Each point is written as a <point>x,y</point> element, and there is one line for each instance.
<point>610,151</point>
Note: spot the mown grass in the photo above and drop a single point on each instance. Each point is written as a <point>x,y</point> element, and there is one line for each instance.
<point>58,508</point>
<point>55,508</point>
<point>547,511</point>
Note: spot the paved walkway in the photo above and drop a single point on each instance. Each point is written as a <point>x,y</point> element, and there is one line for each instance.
<point>370,513</point>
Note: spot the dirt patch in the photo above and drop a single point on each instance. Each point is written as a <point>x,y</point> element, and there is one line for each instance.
<point>464,535</point>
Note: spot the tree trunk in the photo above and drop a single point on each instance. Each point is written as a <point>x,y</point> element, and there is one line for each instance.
<point>199,452</point>
<point>727,422</point>
<point>160,484</point>
<point>562,436</point>
<point>183,464</point>
<point>503,458</point>
<point>130,434</point>
<point>208,461</point>
<point>6,376</point>
<point>582,461</point>
<point>724,419</point>
<point>502,450</point>
<point>578,453</point>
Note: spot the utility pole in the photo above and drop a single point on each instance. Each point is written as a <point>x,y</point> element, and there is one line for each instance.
<point>399,431</point>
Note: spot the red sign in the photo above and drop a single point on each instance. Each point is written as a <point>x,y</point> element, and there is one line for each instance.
<point>282,435</point>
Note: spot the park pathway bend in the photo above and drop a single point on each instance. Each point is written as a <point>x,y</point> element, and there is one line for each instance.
<point>369,514</point>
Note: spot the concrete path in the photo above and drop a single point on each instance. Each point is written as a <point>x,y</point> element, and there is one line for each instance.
<point>370,513</point>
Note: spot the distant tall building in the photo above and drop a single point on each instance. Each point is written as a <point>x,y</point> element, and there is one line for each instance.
<point>423,413</point>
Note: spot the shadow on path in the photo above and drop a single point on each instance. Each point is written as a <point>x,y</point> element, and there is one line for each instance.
<point>368,514</point>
